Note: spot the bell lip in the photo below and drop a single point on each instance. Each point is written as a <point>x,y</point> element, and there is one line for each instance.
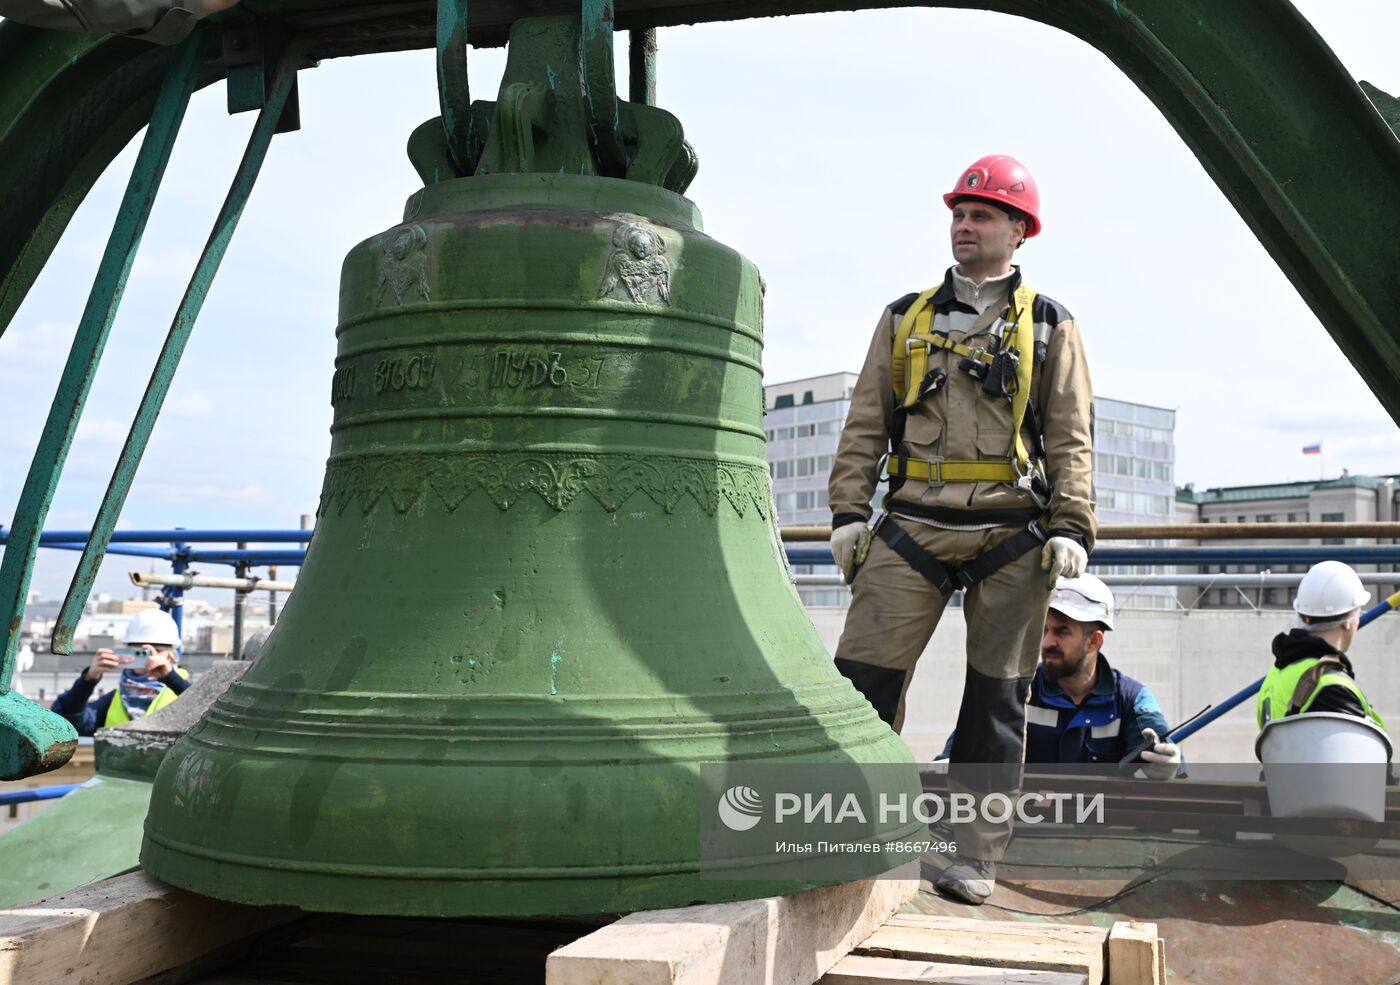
<point>586,193</point>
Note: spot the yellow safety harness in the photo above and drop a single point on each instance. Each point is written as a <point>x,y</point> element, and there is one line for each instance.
<point>914,340</point>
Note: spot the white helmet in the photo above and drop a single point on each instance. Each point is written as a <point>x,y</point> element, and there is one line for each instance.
<point>1086,599</point>
<point>1328,593</point>
<point>152,626</point>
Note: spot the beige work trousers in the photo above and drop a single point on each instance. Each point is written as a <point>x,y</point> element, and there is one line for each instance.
<point>894,611</point>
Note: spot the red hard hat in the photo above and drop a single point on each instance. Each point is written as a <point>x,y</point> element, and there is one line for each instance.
<point>1001,180</point>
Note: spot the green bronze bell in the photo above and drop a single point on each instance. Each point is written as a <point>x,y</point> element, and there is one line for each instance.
<point>545,583</point>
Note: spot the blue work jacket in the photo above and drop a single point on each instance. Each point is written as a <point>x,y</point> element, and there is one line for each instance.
<point>1103,729</point>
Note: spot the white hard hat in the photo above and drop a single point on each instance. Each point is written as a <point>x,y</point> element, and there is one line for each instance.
<point>1086,599</point>
<point>1329,591</point>
<point>152,626</point>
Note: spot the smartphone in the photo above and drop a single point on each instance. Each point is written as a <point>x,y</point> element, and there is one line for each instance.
<point>129,654</point>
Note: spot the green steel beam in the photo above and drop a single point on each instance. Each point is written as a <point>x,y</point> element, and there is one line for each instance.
<point>31,738</point>
<point>454,92</point>
<point>177,338</point>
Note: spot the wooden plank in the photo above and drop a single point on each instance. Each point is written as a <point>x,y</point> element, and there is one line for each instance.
<point>123,930</point>
<point>1135,954</point>
<point>857,969</point>
<point>782,940</point>
<point>1011,928</point>
<point>990,950</point>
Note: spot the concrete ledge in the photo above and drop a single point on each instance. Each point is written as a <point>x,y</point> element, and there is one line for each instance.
<point>780,940</point>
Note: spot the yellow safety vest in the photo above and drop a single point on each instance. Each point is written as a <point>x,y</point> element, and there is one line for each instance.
<point>914,340</point>
<point>118,715</point>
<point>1280,687</point>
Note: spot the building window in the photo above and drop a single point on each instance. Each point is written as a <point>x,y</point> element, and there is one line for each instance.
<point>806,430</point>
<point>806,466</point>
<point>807,396</point>
<point>824,463</point>
<point>1297,517</point>
<point>829,427</point>
<point>1266,518</point>
<point>782,469</point>
<point>787,502</point>
<point>784,400</point>
<point>784,433</point>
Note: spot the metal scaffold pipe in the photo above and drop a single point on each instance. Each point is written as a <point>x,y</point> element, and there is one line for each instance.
<point>1385,530</point>
<point>250,584</point>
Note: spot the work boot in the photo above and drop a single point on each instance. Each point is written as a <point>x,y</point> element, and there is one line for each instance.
<point>970,881</point>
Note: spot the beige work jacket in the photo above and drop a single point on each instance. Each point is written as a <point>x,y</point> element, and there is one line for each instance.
<point>961,423</point>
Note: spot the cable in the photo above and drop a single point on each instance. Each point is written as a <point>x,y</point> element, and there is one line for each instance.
<point>1125,891</point>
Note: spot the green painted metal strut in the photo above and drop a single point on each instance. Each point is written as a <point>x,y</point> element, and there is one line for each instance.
<point>454,93</point>
<point>27,731</point>
<point>176,339</point>
<point>600,89</point>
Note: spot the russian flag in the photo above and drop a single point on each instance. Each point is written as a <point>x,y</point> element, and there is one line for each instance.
<point>1313,449</point>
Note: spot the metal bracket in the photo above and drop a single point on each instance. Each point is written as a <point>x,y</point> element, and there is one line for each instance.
<point>252,50</point>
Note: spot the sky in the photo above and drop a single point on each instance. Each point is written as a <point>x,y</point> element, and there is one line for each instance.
<point>825,145</point>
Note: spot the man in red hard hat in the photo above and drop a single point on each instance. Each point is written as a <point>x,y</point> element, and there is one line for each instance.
<point>975,404</point>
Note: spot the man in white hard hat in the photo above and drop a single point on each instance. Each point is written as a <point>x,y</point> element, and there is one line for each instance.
<point>1082,710</point>
<point>150,677</point>
<point>1311,670</point>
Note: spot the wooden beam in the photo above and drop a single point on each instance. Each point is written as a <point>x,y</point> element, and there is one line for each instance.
<point>122,930</point>
<point>1078,933</point>
<point>1044,952</point>
<point>858,970</point>
<point>1135,955</point>
<point>781,940</point>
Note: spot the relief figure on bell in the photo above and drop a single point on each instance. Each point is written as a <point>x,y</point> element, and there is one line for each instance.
<point>638,266</point>
<point>403,264</point>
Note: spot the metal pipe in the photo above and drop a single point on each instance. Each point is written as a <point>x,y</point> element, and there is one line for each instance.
<point>240,596</point>
<point>37,793</point>
<point>50,537</point>
<point>1388,530</point>
<point>1183,581</point>
<point>250,584</point>
<point>641,64</point>
<point>1193,556</point>
<point>151,552</point>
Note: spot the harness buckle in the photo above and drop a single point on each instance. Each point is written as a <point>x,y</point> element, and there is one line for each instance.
<point>1027,481</point>
<point>935,470</point>
<point>881,471</point>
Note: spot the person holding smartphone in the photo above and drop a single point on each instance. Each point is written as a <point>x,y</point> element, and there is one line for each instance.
<point>149,676</point>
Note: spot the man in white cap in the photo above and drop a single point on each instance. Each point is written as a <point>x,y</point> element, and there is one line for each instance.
<point>144,687</point>
<point>1082,710</point>
<point>1311,670</point>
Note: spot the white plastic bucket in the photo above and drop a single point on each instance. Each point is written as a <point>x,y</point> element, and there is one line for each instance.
<point>1324,764</point>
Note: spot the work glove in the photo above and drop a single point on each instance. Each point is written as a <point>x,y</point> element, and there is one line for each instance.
<point>1062,558</point>
<point>1160,760</point>
<point>849,545</point>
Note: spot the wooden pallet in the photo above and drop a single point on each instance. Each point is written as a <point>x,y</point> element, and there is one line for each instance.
<point>953,951</point>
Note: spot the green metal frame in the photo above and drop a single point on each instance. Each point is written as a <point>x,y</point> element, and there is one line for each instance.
<point>1275,119</point>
